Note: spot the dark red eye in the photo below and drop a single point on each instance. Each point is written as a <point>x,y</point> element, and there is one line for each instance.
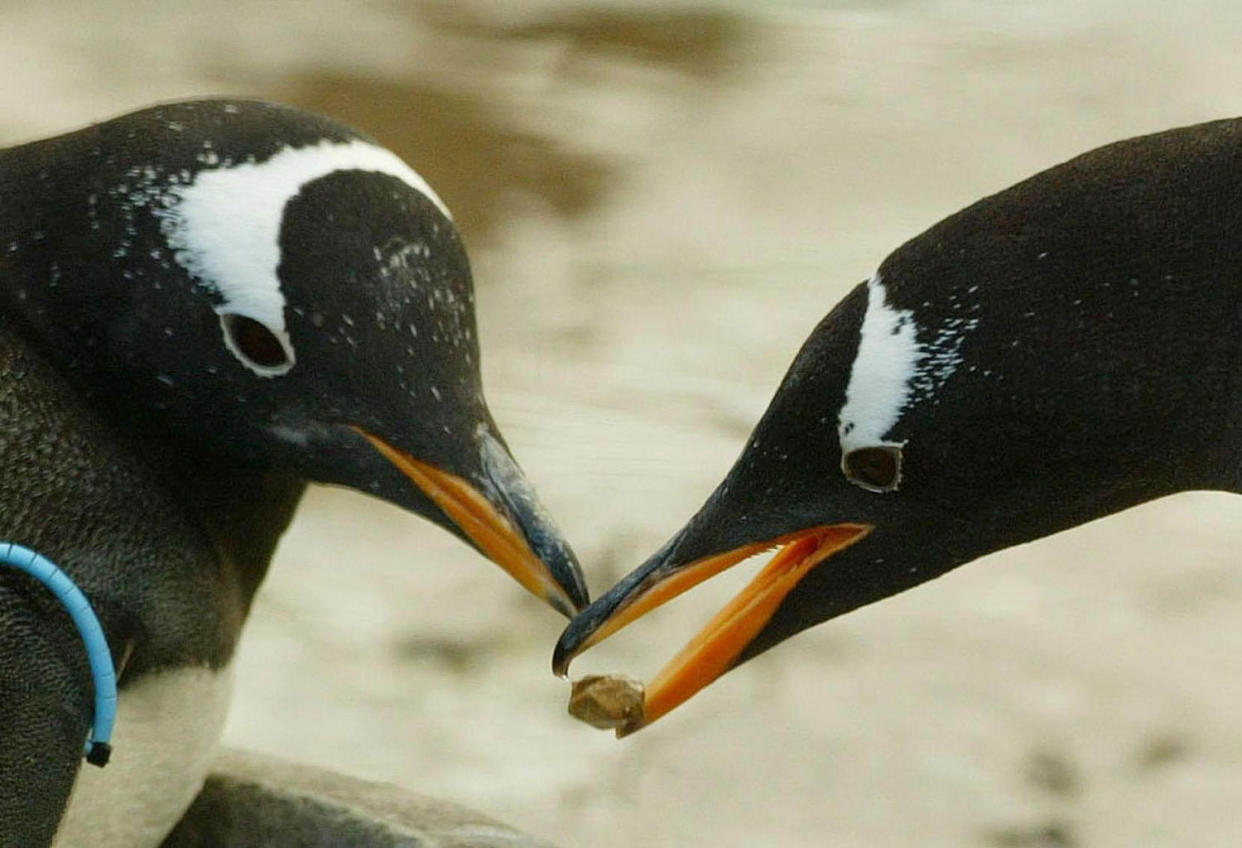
<point>254,342</point>
<point>875,468</point>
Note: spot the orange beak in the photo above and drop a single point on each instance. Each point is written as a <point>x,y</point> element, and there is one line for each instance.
<point>718,645</point>
<point>492,531</point>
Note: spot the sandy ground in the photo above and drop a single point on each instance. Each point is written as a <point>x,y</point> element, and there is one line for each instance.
<point>660,206</point>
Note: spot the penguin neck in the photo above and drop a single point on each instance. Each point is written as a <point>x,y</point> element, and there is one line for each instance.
<point>45,191</point>
<point>243,510</point>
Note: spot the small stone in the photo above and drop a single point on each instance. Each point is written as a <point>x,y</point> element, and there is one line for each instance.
<point>608,701</point>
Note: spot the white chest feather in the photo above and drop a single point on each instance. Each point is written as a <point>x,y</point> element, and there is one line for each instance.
<point>167,731</point>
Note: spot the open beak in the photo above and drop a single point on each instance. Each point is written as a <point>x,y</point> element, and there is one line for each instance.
<point>502,532</point>
<point>718,645</point>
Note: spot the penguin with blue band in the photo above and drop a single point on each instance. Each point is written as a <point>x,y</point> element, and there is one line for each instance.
<point>204,306</point>
<point>1054,353</point>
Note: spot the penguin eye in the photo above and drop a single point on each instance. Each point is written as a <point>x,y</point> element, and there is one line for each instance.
<point>876,469</point>
<point>255,345</point>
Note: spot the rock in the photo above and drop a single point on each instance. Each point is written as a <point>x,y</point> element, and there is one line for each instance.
<point>608,701</point>
<point>251,801</point>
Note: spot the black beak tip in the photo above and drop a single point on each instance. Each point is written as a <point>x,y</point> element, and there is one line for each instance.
<point>590,618</point>
<point>576,588</point>
<point>507,488</point>
<point>563,566</point>
<point>579,631</point>
<point>565,609</point>
<point>563,653</point>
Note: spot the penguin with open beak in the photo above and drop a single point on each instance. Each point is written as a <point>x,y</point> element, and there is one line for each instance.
<point>203,306</point>
<point>1051,354</point>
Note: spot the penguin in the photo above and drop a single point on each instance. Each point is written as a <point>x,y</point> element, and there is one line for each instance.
<point>1053,353</point>
<point>204,306</point>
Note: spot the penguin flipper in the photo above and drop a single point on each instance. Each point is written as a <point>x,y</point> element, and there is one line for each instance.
<point>45,712</point>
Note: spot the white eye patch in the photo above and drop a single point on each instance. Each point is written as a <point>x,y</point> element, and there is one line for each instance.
<point>884,370</point>
<point>893,370</point>
<point>224,225</point>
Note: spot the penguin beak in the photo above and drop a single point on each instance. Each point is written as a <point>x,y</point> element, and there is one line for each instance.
<point>510,528</point>
<point>721,642</point>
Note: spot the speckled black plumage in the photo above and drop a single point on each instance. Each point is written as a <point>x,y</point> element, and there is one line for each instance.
<point>1096,309</point>
<point>76,490</point>
<point>149,462</point>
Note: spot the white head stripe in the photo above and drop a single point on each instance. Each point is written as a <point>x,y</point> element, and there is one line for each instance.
<point>224,225</point>
<point>884,370</point>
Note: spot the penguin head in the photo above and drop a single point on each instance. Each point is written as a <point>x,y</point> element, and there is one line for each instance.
<point>835,474</point>
<point>271,290</point>
<point>1049,355</point>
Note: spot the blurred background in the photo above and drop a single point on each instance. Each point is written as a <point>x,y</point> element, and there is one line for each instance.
<point>660,202</point>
